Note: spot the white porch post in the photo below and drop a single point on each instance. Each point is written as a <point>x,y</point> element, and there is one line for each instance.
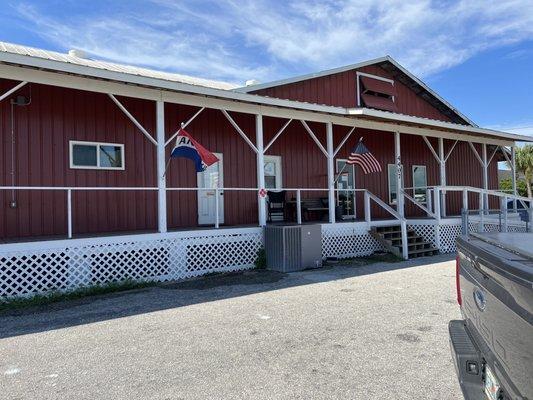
<point>331,174</point>
<point>260,168</point>
<point>485,176</point>
<point>513,174</point>
<point>161,180</point>
<point>442,174</point>
<point>399,173</point>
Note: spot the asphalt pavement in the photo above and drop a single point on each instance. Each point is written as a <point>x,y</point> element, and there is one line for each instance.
<point>372,332</point>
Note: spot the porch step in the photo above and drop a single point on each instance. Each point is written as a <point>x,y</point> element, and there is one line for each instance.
<point>391,238</point>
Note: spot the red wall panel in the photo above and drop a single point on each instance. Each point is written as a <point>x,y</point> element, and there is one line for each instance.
<point>55,116</point>
<point>341,90</point>
<point>42,131</point>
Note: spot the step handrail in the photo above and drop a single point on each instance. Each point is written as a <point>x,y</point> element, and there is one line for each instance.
<point>385,206</point>
<point>418,204</point>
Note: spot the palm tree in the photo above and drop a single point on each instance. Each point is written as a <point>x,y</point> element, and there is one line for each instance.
<point>524,165</point>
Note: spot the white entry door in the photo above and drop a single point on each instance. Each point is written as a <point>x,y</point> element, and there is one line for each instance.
<point>211,178</point>
<point>346,183</point>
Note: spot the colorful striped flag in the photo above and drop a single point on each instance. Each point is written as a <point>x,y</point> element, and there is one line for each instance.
<point>361,156</point>
<point>187,147</point>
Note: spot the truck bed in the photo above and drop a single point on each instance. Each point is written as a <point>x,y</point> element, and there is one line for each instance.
<point>496,275</point>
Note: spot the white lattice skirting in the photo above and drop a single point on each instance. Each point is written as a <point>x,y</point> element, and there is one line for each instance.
<point>348,240</point>
<point>30,268</point>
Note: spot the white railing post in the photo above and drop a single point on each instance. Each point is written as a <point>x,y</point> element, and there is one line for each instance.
<point>429,200</point>
<point>298,207</point>
<point>217,216</point>
<point>161,178</point>
<point>405,244</point>
<point>399,173</point>
<point>465,200</point>
<point>260,169</point>
<point>331,173</point>
<point>69,213</point>
<point>481,227</point>
<point>504,212</point>
<point>436,211</point>
<point>368,217</point>
<point>436,203</point>
<point>485,176</point>
<point>442,174</point>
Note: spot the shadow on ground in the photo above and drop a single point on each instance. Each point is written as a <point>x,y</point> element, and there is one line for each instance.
<point>166,296</point>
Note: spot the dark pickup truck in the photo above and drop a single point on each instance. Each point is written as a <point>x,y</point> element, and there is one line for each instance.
<point>493,345</point>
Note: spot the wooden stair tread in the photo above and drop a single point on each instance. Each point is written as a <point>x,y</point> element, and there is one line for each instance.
<point>390,237</point>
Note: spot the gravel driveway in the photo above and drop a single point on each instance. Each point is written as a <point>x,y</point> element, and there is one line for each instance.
<point>373,332</point>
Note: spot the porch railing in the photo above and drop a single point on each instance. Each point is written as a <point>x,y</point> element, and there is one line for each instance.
<point>367,195</point>
<point>435,198</point>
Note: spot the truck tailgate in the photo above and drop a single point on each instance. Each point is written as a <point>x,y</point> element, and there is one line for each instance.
<point>497,297</point>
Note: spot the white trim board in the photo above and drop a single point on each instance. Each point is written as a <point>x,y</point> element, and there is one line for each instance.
<point>253,104</point>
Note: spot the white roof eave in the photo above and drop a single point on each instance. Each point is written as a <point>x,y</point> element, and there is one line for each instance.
<point>163,84</point>
<point>435,123</point>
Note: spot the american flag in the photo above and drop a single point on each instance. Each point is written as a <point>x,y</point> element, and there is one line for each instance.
<point>361,156</point>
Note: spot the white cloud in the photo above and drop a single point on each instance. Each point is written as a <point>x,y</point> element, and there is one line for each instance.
<point>237,40</point>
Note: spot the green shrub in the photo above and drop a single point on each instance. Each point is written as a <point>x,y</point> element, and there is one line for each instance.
<point>260,261</point>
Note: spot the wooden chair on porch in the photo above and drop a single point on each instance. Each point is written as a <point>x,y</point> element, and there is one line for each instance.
<point>276,205</point>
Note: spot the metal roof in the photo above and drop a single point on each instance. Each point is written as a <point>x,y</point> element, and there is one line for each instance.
<point>386,62</point>
<point>108,66</point>
<point>27,57</point>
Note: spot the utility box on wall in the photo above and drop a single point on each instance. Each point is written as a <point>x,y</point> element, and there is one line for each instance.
<point>293,247</point>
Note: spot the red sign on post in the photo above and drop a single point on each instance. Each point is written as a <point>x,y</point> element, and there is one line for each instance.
<point>262,193</point>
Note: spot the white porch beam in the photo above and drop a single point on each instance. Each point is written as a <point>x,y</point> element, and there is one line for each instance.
<point>450,151</point>
<point>343,141</point>
<point>492,155</point>
<point>260,169</point>
<point>183,125</point>
<point>239,130</point>
<point>12,90</point>
<point>313,136</point>
<point>435,155</point>
<point>331,173</point>
<point>476,153</point>
<point>442,175</point>
<point>399,174</point>
<point>277,135</point>
<point>132,118</point>
<point>161,178</point>
<point>165,94</point>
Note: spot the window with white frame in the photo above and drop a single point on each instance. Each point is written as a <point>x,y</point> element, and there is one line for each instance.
<point>96,155</point>
<point>393,187</point>
<point>420,183</point>
<point>273,172</point>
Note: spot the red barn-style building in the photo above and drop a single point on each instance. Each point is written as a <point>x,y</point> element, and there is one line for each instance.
<point>85,196</point>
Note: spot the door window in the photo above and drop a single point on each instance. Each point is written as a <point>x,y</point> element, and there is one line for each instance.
<point>346,182</point>
<point>273,172</point>
<point>420,182</point>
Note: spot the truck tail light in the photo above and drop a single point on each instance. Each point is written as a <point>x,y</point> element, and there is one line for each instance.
<point>458,279</point>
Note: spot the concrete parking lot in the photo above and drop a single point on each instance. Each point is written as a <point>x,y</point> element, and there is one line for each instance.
<point>372,332</point>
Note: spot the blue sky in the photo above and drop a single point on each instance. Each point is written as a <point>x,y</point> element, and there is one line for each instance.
<point>477,54</point>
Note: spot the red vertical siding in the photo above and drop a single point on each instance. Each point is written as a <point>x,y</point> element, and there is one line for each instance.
<point>42,131</point>
<point>341,90</point>
<point>55,116</point>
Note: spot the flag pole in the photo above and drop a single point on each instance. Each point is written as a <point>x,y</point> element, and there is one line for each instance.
<point>344,166</point>
<point>170,157</point>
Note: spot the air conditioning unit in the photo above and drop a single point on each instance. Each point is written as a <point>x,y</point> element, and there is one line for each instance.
<point>293,247</point>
